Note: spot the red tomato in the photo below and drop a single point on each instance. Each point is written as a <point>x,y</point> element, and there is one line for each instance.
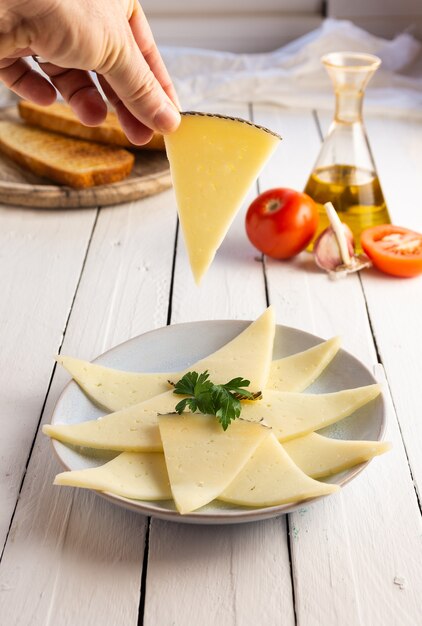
<point>393,250</point>
<point>281,222</point>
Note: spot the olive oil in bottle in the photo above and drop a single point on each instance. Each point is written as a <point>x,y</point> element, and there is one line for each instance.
<point>345,172</point>
<point>355,193</point>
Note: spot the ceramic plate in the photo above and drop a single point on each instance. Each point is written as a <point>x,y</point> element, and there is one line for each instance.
<point>174,348</point>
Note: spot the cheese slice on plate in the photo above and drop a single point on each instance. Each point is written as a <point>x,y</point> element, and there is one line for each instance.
<point>214,160</point>
<point>248,355</point>
<point>320,456</point>
<point>292,414</point>
<point>289,415</point>
<point>298,371</point>
<point>275,473</point>
<point>134,429</point>
<point>140,476</point>
<point>114,389</point>
<point>202,459</point>
<point>270,477</point>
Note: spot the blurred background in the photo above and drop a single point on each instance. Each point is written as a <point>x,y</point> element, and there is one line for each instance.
<point>264,25</point>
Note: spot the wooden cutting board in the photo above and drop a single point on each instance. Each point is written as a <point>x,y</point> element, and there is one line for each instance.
<point>150,175</point>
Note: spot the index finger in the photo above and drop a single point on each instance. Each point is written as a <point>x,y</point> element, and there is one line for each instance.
<point>145,40</point>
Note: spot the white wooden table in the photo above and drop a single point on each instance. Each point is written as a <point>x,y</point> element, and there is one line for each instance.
<point>82,281</point>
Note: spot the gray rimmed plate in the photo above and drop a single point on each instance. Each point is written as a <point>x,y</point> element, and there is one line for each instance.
<point>174,348</point>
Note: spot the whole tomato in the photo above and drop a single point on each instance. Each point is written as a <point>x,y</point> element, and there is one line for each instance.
<point>281,222</point>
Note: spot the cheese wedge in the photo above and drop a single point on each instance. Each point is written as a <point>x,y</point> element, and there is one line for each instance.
<point>292,414</point>
<point>320,456</point>
<point>202,459</point>
<point>214,160</point>
<point>298,371</point>
<point>270,477</point>
<point>140,476</point>
<point>248,355</point>
<point>289,415</point>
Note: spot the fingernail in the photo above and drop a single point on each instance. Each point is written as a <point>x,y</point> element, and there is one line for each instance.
<point>167,119</point>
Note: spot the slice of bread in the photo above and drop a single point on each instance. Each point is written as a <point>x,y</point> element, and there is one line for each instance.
<point>72,162</point>
<point>60,118</point>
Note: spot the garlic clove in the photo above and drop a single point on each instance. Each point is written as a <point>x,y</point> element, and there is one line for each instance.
<point>327,250</point>
<point>334,249</point>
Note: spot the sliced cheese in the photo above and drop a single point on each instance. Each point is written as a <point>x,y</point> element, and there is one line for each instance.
<point>270,477</point>
<point>141,476</point>
<point>298,371</point>
<point>214,160</point>
<point>247,355</point>
<point>320,456</point>
<point>292,414</point>
<point>275,473</point>
<point>112,389</point>
<point>202,459</point>
<point>289,415</point>
<point>134,429</point>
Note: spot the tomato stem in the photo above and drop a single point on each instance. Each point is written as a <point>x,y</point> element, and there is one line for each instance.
<point>273,206</point>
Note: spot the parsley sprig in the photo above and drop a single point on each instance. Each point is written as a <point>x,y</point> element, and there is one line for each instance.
<point>204,396</point>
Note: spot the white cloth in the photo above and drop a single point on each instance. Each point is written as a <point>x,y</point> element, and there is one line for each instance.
<point>294,76</point>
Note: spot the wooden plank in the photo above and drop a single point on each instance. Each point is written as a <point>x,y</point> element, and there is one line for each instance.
<point>342,571</point>
<point>244,570</point>
<point>218,574</point>
<point>395,305</point>
<point>73,558</point>
<point>42,254</point>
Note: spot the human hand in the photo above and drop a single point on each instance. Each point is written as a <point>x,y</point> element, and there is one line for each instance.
<point>112,38</point>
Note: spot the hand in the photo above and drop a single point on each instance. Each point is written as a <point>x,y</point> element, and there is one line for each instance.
<point>112,38</point>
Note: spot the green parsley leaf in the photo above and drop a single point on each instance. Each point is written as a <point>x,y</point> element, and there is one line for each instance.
<point>223,401</point>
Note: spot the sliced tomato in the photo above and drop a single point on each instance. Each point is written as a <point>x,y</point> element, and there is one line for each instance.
<point>393,250</point>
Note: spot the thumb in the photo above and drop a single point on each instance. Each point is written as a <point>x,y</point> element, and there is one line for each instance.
<point>139,90</point>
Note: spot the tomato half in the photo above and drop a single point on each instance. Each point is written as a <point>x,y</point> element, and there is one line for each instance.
<point>281,222</point>
<point>393,250</point>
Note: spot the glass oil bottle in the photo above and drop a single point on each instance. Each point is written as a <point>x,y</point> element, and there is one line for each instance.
<point>345,172</point>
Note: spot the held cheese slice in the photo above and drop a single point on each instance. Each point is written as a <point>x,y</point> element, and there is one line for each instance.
<point>140,476</point>
<point>298,371</point>
<point>214,160</point>
<point>288,414</point>
<point>292,414</point>
<point>202,459</point>
<point>247,355</point>
<point>270,477</point>
<point>320,456</point>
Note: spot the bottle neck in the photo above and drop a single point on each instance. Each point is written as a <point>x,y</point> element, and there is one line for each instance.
<point>348,106</point>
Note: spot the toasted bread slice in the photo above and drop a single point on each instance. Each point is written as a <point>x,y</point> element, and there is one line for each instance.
<point>60,118</point>
<point>72,162</point>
